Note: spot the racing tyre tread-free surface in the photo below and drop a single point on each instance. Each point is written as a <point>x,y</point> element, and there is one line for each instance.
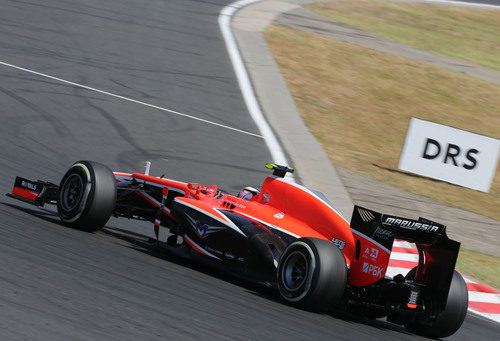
<point>451,318</point>
<point>87,196</point>
<point>312,274</point>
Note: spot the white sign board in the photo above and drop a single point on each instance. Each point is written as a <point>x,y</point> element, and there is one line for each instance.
<point>449,154</point>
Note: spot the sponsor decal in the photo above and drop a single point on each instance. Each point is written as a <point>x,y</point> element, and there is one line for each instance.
<point>29,185</point>
<point>375,271</point>
<point>200,229</point>
<point>413,299</point>
<point>237,204</point>
<point>383,234</point>
<point>371,253</point>
<point>411,224</point>
<point>340,243</point>
<point>211,190</point>
<point>279,215</point>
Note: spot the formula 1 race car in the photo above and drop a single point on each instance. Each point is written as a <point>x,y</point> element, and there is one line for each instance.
<point>284,233</point>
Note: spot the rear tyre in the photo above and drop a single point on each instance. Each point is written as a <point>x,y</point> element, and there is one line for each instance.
<point>451,318</point>
<point>87,196</point>
<point>312,274</point>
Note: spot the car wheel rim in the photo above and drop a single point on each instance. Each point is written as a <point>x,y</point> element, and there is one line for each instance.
<point>295,271</point>
<point>72,192</point>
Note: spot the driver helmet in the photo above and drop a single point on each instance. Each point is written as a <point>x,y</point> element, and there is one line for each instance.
<point>248,193</point>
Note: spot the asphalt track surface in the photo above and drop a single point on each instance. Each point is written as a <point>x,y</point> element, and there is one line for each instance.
<point>60,284</point>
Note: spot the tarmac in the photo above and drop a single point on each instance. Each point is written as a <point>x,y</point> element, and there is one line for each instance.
<point>342,186</point>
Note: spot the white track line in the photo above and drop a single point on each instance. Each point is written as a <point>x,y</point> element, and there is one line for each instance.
<point>272,143</point>
<point>461,3</point>
<point>130,99</point>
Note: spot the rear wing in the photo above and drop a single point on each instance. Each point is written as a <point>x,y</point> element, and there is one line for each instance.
<point>437,253</point>
<point>421,231</point>
<point>36,193</point>
<point>384,228</point>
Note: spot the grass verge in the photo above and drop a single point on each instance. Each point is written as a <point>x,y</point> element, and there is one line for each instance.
<point>482,267</point>
<point>466,34</point>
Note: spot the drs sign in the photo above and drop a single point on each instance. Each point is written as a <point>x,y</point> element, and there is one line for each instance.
<point>450,154</point>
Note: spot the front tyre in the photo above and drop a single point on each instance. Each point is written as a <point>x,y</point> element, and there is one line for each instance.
<point>87,196</point>
<point>312,274</point>
<point>451,318</point>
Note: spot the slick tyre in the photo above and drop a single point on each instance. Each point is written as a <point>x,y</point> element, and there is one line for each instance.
<point>87,196</point>
<point>451,318</point>
<point>312,274</point>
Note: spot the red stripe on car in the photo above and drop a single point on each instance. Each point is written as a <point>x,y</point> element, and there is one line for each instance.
<point>25,193</point>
